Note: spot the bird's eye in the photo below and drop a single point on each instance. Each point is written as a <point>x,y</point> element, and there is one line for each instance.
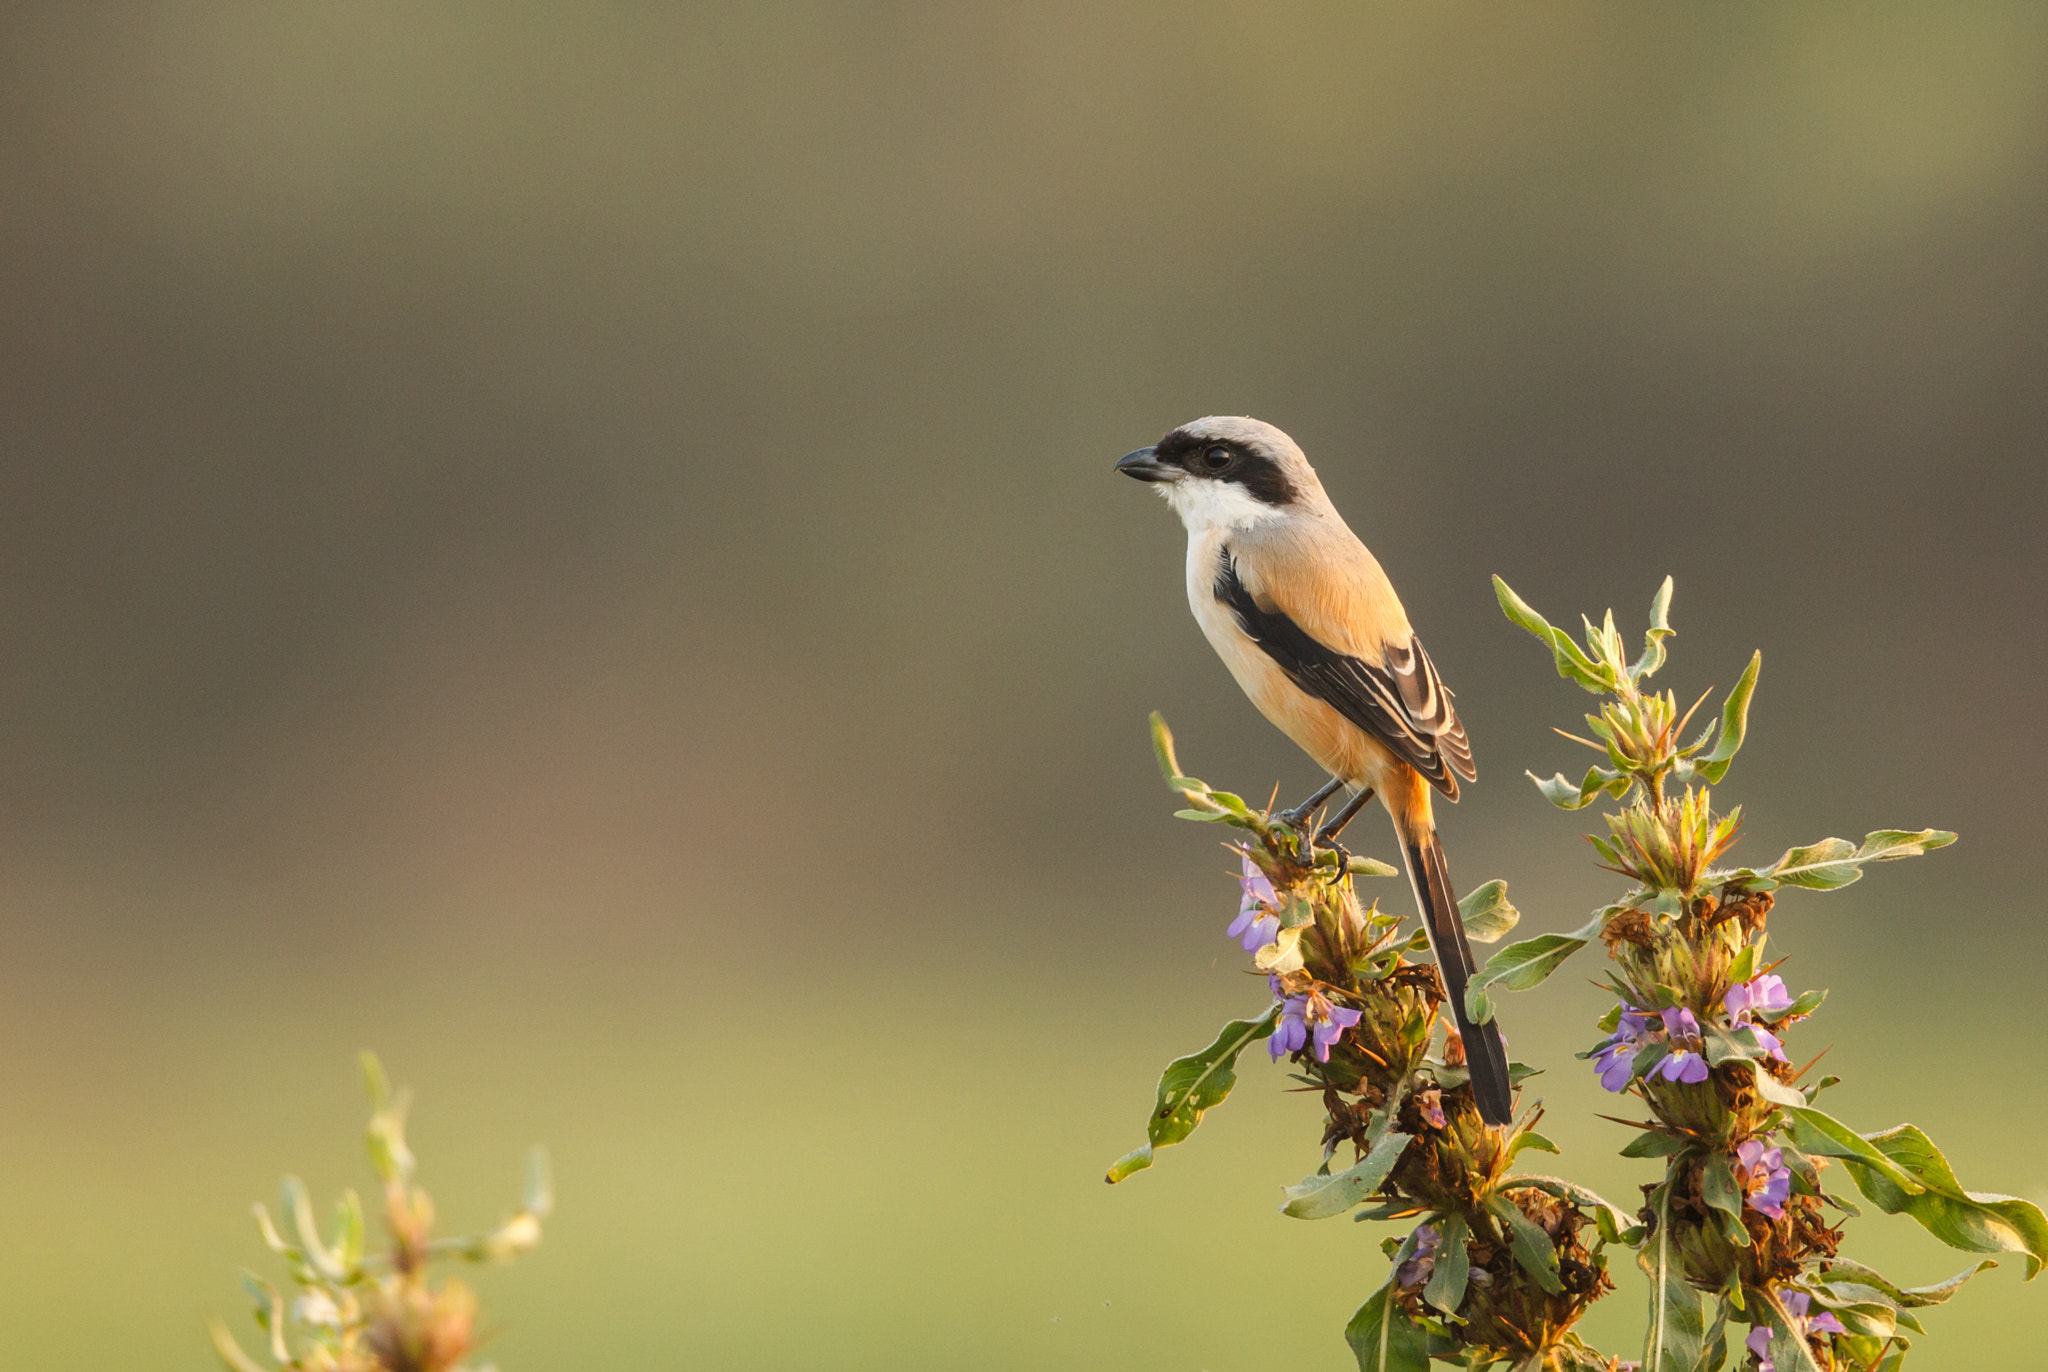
<point>1216,459</point>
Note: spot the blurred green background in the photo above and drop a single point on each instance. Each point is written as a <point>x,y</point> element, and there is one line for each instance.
<point>574,545</point>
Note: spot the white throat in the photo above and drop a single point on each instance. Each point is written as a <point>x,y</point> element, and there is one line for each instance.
<point>1203,505</point>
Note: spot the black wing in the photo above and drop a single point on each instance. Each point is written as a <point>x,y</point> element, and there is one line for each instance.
<point>1400,701</point>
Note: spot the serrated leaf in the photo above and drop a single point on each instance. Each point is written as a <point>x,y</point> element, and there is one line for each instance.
<point>1487,914</point>
<point>1533,1249</point>
<point>1193,1085</point>
<point>1453,1268</point>
<point>1319,1197</point>
<point>1383,1338</point>
<point>1572,664</point>
<point>1734,724</point>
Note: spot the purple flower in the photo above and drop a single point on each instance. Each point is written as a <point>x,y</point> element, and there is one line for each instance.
<point>1797,1303</point>
<point>1430,1105</point>
<point>1292,1031</point>
<point>1258,890</point>
<point>1616,1059</point>
<point>1253,929</point>
<point>1761,996</point>
<point>1685,1063</point>
<point>1766,1181</point>
<point>1309,1018</point>
<point>1758,996</point>
<point>1256,925</point>
<point>1415,1270</point>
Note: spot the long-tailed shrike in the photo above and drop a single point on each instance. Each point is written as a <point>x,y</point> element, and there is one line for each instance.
<point>1310,626</point>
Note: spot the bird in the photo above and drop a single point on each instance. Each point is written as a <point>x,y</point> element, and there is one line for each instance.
<point>1309,625</point>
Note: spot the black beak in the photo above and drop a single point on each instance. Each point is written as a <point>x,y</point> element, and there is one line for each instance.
<point>1142,465</point>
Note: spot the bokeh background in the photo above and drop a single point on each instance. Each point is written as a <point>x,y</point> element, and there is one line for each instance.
<point>574,545</point>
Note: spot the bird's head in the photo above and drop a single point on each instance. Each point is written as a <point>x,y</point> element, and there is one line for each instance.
<point>1227,471</point>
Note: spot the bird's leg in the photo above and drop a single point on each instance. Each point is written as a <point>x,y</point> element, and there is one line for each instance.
<point>1326,837</point>
<point>1308,807</point>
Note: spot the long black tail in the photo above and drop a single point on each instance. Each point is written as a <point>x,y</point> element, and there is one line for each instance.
<point>1485,1054</point>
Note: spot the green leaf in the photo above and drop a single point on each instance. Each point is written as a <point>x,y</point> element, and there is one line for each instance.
<point>1775,1091</point>
<point>1724,1045</point>
<point>1653,641</point>
<point>1676,1338</point>
<point>1453,1269</point>
<point>1572,664</point>
<point>1901,1172</point>
<point>1835,862</point>
<point>1976,1222</point>
<point>1715,1352</point>
<point>1534,1252</point>
<point>1371,867</point>
<point>1723,1195</point>
<point>1808,1002</point>
<point>1487,914</point>
<point>1864,1311</point>
<point>1520,966</point>
<point>1655,1145</point>
<point>1319,1197</point>
<point>1192,1085</point>
<point>1734,723</point>
<point>1789,1349</point>
<point>1559,791</point>
<point>1718,1187</point>
<point>1527,1140</point>
<point>1744,966</point>
<point>1162,749</point>
<point>1816,1131</point>
<point>1906,1297</point>
<point>1137,1160</point>
<point>1384,1338</point>
<point>228,1351</point>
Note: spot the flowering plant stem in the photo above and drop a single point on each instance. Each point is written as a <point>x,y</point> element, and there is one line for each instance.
<point>1744,1226</point>
<point>1502,1263</point>
<point>357,1311</point>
